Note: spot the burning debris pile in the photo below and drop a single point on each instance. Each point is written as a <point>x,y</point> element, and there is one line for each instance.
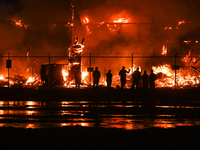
<point>119,32</point>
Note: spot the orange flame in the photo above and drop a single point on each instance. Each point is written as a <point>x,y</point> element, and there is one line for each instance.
<point>86,20</point>
<point>164,50</point>
<point>19,23</point>
<point>122,20</point>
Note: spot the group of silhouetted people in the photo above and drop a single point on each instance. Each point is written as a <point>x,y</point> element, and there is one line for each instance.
<point>137,77</point>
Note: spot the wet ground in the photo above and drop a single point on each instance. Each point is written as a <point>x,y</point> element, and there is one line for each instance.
<point>125,109</point>
<point>100,118</point>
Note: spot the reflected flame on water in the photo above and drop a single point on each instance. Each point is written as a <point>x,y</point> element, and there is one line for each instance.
<point>30,126</point>
<point>75,117</point>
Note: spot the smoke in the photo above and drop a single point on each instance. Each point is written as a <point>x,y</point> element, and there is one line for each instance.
<point>145,39</point>
<point>46,31</point>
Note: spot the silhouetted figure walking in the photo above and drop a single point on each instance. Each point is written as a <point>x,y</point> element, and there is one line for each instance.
<point>77,78</point>
<point>109,78</point>
<point>145,79</point>
<point>152,78</point>
<point>136,76</point>
<point>122,74</point>
<point>96,75</point>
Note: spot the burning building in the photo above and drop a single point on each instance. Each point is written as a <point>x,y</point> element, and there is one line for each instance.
<point>148,33</point>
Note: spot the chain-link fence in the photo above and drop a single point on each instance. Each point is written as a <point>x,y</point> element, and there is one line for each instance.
<point>172,71</point>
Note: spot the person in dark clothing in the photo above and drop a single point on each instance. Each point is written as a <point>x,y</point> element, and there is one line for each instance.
<point>109,78</point>
<point>122,74</point>
<point>136,76</point>
<point>77,78</point>
<point>145,79</point>
<point>152,78</point>
<point>96,75</point>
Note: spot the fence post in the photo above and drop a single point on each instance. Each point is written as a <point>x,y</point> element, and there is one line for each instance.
<point>132,62</point>
<point>90,67</point>
<point>49,57</point>
<point>175,70</point>
<point>8,71</point>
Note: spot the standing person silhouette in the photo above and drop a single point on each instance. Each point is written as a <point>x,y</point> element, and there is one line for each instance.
<point>145,79</point>
<point>136,76</point>
<point>122,74</point>
<point>109,78</point>
<point>96,75</point>
<point>152,78</point>
<point>77,78</point>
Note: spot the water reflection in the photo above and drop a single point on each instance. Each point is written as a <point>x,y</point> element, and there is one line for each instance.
<point>128,115</point>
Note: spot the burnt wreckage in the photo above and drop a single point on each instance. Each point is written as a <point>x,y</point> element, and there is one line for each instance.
<point>51,74</point>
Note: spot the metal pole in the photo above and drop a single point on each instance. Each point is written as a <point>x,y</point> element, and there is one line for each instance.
<point>132,62</point>
<point>8,71</point>
<point>175,70</point>
<point>90,68</point>
<point>49,58</point>
<point>72,24</point>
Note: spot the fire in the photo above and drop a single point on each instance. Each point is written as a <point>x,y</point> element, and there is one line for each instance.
<point>84,75</point>
<point>65,74</point>
<point>164,50</point>
<point>186,42</point>
<point>167,28</point>
<point>165,76</point>
<point>179,23</point>
<point>122,20</point>
<point>165,69</point>
<point>86,20</point>
<point>115,27</point>
<point>31,79</point>
<point>19,23</point>
<point>1,77</point>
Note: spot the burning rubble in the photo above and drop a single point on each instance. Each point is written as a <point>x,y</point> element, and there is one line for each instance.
<point>121,32</point>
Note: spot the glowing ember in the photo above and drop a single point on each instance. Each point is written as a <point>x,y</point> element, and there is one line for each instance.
<point>65,74</point>
<point>164,50</point>
<point>122,20</point>
<point>86,20</point>
<point>165,69</point>
<point>84,75</point>
<point>180,22</point>
<point>1,77</point>
<point>165,77</point>
<point>19,23</point>
<point>168,28</point>
<point>187,42</point>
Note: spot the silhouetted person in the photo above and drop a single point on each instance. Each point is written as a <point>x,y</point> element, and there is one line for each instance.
<point>77,78</point>
<point>136,76</point>
<point>122,74</point>
<point>109,78</point>
<point>145,79</point>
<point>96,75</point>
<point>152,78</point>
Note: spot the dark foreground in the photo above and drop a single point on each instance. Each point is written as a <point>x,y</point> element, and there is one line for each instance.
<point>100,94</point>
<point>100,138</point>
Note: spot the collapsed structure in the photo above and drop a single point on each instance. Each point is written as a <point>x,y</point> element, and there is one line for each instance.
<point>51,74</point>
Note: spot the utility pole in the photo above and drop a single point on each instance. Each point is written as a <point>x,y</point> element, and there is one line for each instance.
<point>175,70</point>
<point>72,24</point>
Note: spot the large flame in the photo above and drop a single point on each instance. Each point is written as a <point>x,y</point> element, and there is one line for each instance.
<point>164,50</point>
<point>121,20</point>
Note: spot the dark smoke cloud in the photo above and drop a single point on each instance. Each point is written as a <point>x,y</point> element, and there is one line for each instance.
<point>40,15</point>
